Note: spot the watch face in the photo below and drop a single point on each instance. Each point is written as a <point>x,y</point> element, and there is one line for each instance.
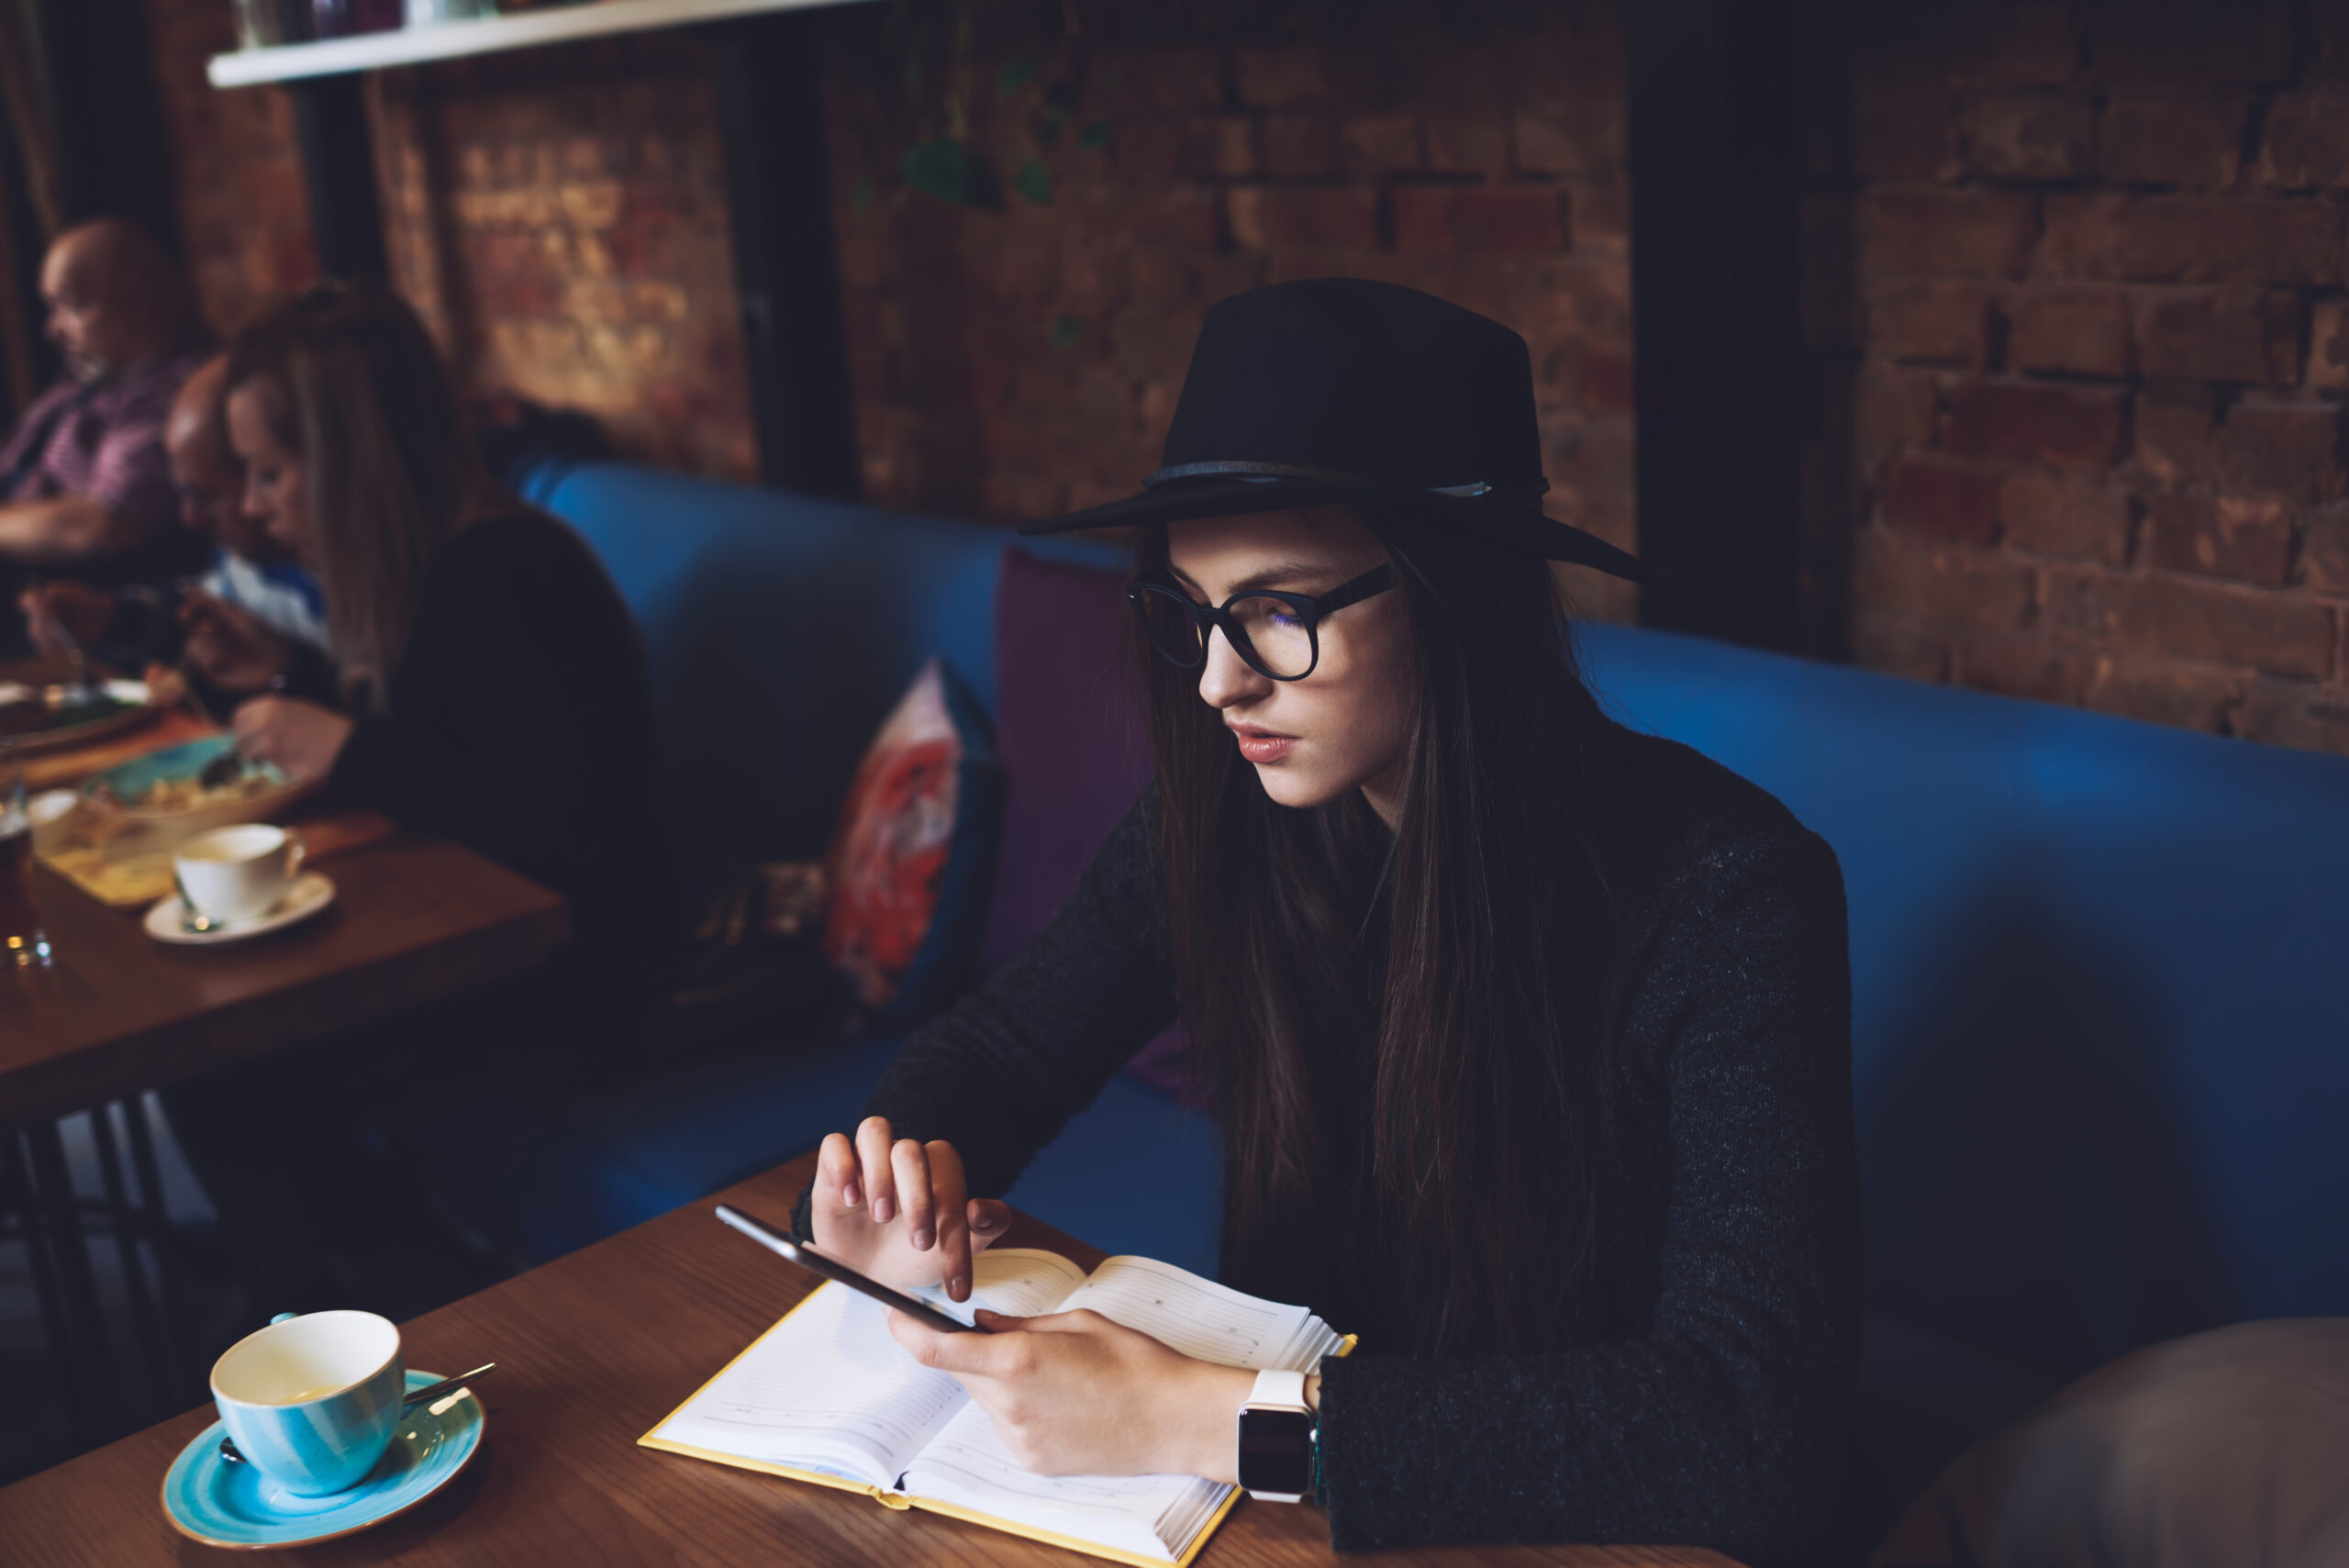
<point>1276,1450</point>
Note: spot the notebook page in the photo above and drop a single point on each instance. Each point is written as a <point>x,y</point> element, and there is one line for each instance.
<point>827,1389</point>
<point>967,1464</point>
<point>1202,1319</point>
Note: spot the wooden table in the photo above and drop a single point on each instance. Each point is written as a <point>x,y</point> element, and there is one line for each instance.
<point>414,920</point>
<point>593,1351</point>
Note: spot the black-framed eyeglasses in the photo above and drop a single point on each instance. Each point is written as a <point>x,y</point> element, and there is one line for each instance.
<point>1277,634</point>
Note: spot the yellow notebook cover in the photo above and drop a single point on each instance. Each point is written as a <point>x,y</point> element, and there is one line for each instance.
<point>898,1500</point>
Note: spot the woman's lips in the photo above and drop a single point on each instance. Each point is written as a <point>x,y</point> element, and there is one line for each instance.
<point>1260,747</point>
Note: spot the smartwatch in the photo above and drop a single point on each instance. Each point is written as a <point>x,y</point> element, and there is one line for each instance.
<point>1276,1439</point>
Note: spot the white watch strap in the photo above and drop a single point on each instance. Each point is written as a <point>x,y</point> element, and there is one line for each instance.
<point>1277,1391</point>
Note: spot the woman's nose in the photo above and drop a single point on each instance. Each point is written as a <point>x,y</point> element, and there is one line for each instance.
<point>1226,678</point>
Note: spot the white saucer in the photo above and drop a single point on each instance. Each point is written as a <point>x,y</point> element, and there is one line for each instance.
<point>311,892</point>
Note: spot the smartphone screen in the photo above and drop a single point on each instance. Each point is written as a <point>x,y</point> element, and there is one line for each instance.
<point>807,1257</point>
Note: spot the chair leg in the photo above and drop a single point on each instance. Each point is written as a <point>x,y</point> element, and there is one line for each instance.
<point>93,1392</point>
<point>132,1225</point>
<point>171,1262</point>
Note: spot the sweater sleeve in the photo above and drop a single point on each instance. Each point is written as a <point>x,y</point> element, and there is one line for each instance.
<point>1728,1424</point>
<point>999,1074</point>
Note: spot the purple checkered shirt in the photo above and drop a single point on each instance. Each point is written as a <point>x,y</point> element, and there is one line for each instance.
<point>110,448</point>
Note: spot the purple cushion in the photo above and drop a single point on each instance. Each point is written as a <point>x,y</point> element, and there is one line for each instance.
<point>1073,750</point>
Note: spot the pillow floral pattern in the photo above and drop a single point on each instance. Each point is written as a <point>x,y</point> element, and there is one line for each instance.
<point>889,855</point>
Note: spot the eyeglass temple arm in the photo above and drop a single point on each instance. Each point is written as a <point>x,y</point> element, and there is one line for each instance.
<point>1377,580</point>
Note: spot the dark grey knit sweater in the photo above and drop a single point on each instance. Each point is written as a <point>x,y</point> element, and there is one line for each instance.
<point>1724,1417</point>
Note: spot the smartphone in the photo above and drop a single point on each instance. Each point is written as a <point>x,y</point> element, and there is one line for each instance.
<point>807,1257</point>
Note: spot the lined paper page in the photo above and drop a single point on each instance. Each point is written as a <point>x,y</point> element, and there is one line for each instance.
<point>967,1464</point>
<point>1202,1319</point>
<point>827,1389</point>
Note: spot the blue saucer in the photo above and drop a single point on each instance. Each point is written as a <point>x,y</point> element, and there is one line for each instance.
<point>208,1499</point>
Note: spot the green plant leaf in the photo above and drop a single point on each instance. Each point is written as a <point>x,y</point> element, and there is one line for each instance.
<point>1094,136</point>
<point>1034,181</point>
<point>1017,73</point>
<point>1065,332</point>
<point>941,169</point>
<point>860,196</point>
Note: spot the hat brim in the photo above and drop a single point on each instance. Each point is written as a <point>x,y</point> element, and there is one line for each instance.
<point>1494,521</point>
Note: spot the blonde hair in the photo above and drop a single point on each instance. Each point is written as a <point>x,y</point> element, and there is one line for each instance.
<point>350,379</point>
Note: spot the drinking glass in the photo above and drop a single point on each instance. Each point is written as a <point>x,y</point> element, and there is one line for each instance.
<point>23,943</point>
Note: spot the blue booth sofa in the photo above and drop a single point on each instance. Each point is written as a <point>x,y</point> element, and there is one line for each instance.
<point>2100,969</point>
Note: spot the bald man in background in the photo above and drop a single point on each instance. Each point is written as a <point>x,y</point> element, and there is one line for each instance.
<point>85,489</point>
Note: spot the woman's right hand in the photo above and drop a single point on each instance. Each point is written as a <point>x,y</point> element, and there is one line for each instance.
<point>897,1210</point>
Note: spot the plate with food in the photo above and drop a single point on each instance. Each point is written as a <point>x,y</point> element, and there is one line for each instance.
<point>49,717</point>
<point>200,784</point>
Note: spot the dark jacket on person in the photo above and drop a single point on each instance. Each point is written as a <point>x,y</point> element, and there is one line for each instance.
<point>519,724</point>
<point>1719,1406</point>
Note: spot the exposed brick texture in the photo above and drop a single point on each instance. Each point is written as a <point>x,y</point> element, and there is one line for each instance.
<point>559,218</point>
<point>2073,271</point>
<point>1017,362</point>
<point>2101,344</point>
<point>244,214</point>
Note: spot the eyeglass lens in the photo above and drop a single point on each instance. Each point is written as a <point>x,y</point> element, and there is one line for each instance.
<point>1277,640</point>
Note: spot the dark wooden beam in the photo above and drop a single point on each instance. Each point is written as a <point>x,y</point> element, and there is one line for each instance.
<point>770,105</point>
<point>338,169</point>
<point>1724,390</point>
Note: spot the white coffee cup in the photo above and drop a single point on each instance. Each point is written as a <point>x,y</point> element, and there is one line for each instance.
<point>239,873</point>
<point>49,811</point>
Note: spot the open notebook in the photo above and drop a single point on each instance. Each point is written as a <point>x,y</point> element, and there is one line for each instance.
<point>826,1395</point>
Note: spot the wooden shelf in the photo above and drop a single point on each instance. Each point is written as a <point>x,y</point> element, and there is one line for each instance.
<point>491,35</point>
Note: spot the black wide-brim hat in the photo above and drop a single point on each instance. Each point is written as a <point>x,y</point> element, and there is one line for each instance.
<point>1343,389</point>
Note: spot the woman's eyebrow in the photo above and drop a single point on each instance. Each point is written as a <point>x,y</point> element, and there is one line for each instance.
<point>1278,571</point>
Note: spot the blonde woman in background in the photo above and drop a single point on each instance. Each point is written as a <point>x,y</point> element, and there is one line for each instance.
<point>491,690</point>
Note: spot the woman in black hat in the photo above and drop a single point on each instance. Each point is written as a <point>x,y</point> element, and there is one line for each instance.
<point>1529,1035</point>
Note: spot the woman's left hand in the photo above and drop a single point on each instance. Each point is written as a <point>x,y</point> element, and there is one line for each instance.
<point>1075,1393</point>
<point>300,738</point>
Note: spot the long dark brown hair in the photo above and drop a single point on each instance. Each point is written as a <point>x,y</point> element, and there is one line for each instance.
<point>351,380</point>
<point>1480,995</point>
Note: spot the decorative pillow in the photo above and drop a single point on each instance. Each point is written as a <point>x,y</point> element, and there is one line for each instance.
<point>2220,1449</point>
<point>912,861</point>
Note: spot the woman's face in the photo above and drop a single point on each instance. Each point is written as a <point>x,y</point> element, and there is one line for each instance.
<point>275,497</point>
<point>1342,726</point>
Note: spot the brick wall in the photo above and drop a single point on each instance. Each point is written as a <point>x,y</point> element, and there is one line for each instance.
<point>2095,323</point>
<point>2074,267</point>
<point>244,215</point>
<point>1018,363</point>
<point>560,217</point>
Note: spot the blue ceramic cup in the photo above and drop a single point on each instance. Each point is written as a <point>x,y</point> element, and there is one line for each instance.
<point>312,1400</point>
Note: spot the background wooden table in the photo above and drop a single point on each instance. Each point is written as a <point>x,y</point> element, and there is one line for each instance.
<point>414,920</point>
<point>593,1351</point>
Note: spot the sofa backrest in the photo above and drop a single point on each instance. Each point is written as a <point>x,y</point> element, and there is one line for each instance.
<point>2099,987</point>
<point>2100,1005</point>
<point>779,630</point>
